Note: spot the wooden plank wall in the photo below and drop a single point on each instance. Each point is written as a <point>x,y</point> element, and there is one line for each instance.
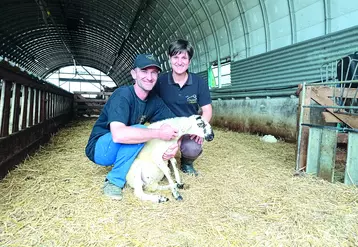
<point>30,111</point>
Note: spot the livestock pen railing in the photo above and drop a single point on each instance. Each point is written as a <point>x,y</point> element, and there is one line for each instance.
<point>30,111</point>
<point>89,103</point>
<point>336,124</point>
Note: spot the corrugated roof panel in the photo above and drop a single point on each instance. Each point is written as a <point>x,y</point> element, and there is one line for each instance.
<point>287,67</point>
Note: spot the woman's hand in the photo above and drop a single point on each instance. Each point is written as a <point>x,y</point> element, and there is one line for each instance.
<point>197,139</point>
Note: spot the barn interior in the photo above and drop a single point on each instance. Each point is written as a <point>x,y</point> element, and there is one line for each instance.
<point>286,68</point>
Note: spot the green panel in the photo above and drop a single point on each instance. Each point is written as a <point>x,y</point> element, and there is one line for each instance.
<point>327,154</point>
<point>351,173</point>
<point>313,152</point>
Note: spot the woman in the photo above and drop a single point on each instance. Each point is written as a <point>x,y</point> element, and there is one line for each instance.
<point>185,93</point>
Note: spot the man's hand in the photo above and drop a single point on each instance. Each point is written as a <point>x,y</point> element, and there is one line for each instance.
<point>197,139</point>
<point>171,152</point>
<point>167,133</point>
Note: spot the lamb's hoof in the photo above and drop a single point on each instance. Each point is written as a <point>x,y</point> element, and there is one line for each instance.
<point>163,199</point>
<point>179,198</point>
<point>180,186</point>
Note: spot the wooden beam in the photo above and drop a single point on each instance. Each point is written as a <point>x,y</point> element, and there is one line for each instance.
<point>305,129</point>
<point>342,137</point>
<point>37,104</point>
<point>337,92</point>
<point>330,118</point>
<point>4,131</point>
<point>103,101</point>
<point>351,121</point>
<point>24,107</point>
<point>17,108</point>
<point>42,106</point>
<point>85,107</point>
<point>14,74</point>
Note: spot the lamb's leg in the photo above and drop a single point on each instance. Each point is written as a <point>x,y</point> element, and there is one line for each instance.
<point>156,186</point>
<point>138,190</point>
<point>173,162</point>
<point>164,167</point>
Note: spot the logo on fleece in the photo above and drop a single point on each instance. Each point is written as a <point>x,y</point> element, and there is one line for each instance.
<point>191,99</point>
<point>143,119</point>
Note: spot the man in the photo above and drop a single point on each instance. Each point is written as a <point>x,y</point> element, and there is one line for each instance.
<point>118,135</point>
<point>184,92</point>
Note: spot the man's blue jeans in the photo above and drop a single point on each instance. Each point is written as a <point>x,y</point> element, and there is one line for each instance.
<point>121,156</point>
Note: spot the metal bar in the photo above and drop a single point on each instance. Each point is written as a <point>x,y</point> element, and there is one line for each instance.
<point>265,24</point>
<point>340,129</point>
<point>141,8</point>
<point>68,73</point>
<point>215,36</point>
<point>245,27</point>
<point>79,80</point>
<point>333,107</point>
<point>292,21</point>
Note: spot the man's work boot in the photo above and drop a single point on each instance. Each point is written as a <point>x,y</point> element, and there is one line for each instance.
<point>112,190</point>
<point>187,167</point>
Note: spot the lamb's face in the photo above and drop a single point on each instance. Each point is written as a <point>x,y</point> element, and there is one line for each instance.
<point>204,126</point>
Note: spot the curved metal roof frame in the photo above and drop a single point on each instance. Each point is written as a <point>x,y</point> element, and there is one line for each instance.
<point>44,35</point>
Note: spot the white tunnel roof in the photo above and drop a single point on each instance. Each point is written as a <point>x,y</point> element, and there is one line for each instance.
<point>42,36</point>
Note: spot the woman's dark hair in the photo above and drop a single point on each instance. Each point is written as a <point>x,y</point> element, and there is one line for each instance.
<point>179,46</point>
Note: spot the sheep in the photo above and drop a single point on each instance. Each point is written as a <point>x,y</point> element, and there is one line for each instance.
<point>149,167</point>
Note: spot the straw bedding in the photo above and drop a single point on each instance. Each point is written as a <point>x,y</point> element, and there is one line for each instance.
<point>246,195</point>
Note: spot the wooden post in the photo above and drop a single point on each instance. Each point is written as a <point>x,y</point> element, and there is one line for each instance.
<point>75,105</point>
<point>43,107</point>
<point>17,109</point>
<point>303,142</point>
<point>36,104</point>
<point>4,131</point>
<point>24,107</point>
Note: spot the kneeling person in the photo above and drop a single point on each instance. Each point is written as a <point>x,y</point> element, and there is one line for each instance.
<point>184,92</point>
<point>119,134</point>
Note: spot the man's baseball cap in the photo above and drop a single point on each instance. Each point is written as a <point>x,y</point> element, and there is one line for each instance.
<point>146,60</point>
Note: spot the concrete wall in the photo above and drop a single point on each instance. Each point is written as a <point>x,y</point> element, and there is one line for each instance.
<point>275,116</point>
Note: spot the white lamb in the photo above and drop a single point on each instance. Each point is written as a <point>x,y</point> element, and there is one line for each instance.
<point>149,167</point>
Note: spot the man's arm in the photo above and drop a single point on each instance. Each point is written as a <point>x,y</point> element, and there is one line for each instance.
<point>132,135</point>
<point>207,112</point>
